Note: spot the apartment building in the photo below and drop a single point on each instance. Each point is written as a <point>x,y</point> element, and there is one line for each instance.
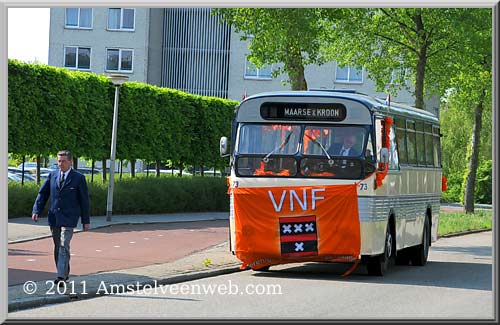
<point>189,49</point>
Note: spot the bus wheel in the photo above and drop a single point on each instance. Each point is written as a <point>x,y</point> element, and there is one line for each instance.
<point>378,265</point>
<point>263,269</point>
<point>421,252</point>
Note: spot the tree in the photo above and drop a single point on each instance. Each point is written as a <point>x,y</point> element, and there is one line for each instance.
<point>472,87</point>
<point>396,45</point>
<point>440,49</point>
<point>291,36</point>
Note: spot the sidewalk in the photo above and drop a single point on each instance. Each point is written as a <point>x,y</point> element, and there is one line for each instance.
<point>210,262</point>
<point>25,229</point>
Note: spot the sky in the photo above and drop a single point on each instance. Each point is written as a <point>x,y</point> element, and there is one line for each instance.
<point>28,34</point>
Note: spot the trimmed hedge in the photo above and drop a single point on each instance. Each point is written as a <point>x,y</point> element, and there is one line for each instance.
<point>53,108</point>
<point>140,195</point>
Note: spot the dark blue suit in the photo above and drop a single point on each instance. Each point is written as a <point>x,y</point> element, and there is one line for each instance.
<point>335,150</point>
<point>68,203</point>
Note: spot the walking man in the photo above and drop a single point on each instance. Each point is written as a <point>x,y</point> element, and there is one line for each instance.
<point>69,201</point>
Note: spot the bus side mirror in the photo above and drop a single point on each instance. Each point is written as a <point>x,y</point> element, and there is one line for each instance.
<point>384,155</point>
<point>223,146</point>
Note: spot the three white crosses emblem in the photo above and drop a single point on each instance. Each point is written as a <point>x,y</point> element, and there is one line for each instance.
<point>287,229</point>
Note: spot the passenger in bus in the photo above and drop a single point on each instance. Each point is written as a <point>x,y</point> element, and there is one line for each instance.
<point>345,147</point>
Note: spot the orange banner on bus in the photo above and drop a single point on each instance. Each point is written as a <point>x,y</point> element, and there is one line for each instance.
<point>278,225</point>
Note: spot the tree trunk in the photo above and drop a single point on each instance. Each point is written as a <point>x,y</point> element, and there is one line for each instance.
<point>103,170</point>
<point>202,170</point>
<point>92,171</point>
<point>470,182</point>
<point>38,162</point>
<point>422,60</point>
<point>121,168</point>
<point>22,171</point>
<point>419,82</point>
<point>75,163</point>
<point>295,69</point>
<point>132,168</point>
<point>158,162</point>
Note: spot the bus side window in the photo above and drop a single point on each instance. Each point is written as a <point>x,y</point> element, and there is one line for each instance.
<point>420,144</point>
<point>378,133</point>
<point>437,146</point>
<point>411,142</point>
<point>394,159</point>
<point>429,150</point>
<point>401,140</point>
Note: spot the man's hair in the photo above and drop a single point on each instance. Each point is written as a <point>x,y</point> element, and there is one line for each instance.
<point>65,153</point>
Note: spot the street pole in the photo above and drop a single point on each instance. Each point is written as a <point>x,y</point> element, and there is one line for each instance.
<point>117,81</point>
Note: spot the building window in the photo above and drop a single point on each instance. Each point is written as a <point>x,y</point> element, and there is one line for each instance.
<point>349,74</point>
<point>79,18</point>
<point>252,72</point>
<point>119,60</point>
<point>121,19</point>
<point>77,57</point>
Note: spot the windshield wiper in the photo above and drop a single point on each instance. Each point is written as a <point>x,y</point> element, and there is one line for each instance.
<point>330,160</point>
<point>281,146</point>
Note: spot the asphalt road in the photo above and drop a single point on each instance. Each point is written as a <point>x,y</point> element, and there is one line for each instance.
<point>456,284</point>
<point>115,247</point>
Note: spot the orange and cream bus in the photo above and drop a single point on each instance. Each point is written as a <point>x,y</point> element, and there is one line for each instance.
<point>332,176</point>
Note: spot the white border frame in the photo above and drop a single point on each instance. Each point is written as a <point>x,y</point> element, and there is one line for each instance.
<point>5,4</point>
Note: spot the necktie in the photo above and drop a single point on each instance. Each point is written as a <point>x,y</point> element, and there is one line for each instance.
<point>343,153</point>
<point>61,181</point>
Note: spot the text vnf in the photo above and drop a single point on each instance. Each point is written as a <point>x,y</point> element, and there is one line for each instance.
<point>295,197</point>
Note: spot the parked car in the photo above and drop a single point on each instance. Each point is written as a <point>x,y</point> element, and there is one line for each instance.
<point>88,170</point>
<point>167,172</point>
<point>14,170</point>
<point>14,177</point>
<point>210,172</point>
<point>27,165</point>
<point>17,177</point>
<point>30,174</point>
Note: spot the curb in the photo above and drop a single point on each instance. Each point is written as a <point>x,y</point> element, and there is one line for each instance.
<point>17,241</point>
<point>27,303</point>
<point>468,232</point>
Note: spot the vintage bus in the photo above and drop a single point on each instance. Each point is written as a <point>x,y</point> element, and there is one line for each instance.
<point>332,176</point>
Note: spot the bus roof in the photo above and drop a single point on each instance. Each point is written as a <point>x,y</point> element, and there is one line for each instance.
<point>373,103</point>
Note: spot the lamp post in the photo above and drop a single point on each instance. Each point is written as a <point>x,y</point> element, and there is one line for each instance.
<point>117,80</point>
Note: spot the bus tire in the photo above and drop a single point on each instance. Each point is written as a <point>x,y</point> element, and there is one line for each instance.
<point>263,269</point>
<point>378,265</point>
<point>421,252</point>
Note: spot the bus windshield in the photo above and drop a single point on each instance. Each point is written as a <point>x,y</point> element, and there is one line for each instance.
<point>305,150</point>
<point>269,138</point>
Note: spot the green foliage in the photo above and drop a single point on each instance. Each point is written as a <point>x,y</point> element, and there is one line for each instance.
<point>140,195</point>
<point>397,45</point>
<point>450,223</point>
<point>21,198</point>
<point>455,191</point>
<point>52,109</point>
<point>484,183</point>
<point>292,37</point>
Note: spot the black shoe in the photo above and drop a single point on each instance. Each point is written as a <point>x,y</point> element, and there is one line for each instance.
<point>59,281</point>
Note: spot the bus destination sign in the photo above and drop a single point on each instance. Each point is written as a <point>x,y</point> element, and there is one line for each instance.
<point>303,111</point>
